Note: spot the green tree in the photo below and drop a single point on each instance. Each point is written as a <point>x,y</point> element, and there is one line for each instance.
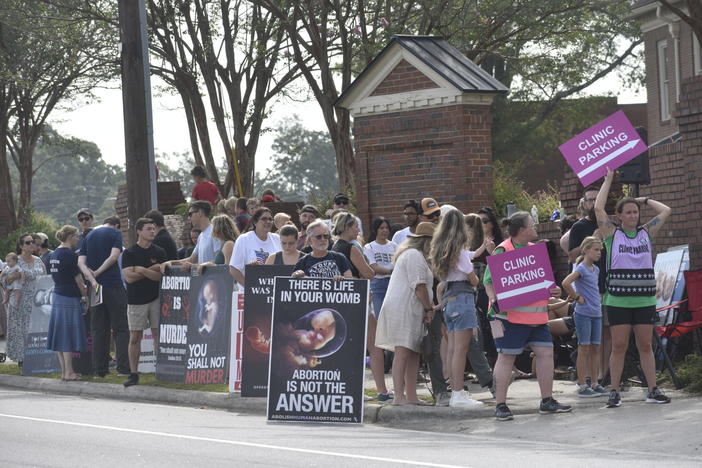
<point>542,49</point>
<point>69,174</point>
<point>48,55</point>
<point>303,163</point>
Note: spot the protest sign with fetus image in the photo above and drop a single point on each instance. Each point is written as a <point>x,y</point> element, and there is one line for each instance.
<point>258,309</point>
<point>317,350</point>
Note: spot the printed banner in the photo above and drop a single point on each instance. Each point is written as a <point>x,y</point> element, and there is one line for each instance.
<point>147,359</point>
<point>318,350</point>
<point>258,309</point>
<point>521,276</point>
<point>173,325</point>
<point>237,331</point>
<point>610,143</point>
<point>38,359</point>
<point>208,326</point>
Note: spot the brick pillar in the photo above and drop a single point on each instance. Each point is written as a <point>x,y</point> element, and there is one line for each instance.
<point>444,152</point>
<point>689,115</point>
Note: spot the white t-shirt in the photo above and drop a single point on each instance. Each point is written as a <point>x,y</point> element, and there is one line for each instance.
<point>381,255</point>
<point>463,267</point>
<point>401,235</point>
<point>207,246</point>
<point>249,249</point>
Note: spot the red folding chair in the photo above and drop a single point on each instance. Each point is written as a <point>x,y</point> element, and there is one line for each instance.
<point>693,285</point>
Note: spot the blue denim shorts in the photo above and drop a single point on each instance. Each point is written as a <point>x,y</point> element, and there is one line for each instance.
<point>588,329</point>
<point>459,312</point>
<point>518,336</point>
<point>378,287</point>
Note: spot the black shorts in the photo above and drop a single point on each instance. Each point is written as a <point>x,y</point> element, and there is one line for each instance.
<point>632,315</point>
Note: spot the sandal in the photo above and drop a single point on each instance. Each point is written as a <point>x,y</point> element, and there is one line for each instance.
<point>73,378</point>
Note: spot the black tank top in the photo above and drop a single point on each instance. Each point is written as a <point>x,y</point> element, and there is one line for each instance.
<point>344,247</point>
<point>278,257</point>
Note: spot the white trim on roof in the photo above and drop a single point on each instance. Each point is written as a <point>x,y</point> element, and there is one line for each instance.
<point>360,102</point>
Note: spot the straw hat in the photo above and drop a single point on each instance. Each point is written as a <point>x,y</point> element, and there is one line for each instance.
<point>424,230</point>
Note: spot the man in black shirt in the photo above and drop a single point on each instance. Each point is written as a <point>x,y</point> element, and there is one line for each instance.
<point>163,238</point>
<point>583,228</point>
<point>141,264</point>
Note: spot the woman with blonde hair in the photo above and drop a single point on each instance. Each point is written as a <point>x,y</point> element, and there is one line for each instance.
<point>224,229</point>
<point>407,307</point>
<point>452,263</point>
<point>66,326</point>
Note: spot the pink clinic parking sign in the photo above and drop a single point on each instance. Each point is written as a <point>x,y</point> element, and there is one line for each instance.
<point>521,276</point>
<point>610,143</point>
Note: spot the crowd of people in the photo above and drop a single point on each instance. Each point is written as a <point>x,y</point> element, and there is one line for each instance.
<point>431,290</point>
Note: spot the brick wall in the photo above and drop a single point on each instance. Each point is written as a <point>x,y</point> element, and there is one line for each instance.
<point>441,152</point>
<point>676,171</point>
<point>405,77</point>
<point>658,130</point>
<point>169,196</point>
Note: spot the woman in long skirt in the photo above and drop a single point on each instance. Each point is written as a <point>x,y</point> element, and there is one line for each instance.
<point>66,326</point>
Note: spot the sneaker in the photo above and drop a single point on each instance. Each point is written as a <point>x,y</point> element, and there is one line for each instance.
<point>656,396</point>
<point>502,413</point>
<point>383,397</point>
<point>462,399</point>
<point>587,392</point>
<point>443,399</point>
<point>133,379</point>
<point>600,390</point>
<point>550,405</point>
<point>615,400</point>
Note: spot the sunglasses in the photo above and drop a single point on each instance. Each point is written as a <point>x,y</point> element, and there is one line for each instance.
<point>435,214</point>
<point>190,213</point>
<point>341,202</point>
<point>84,219</point>
<point>485,220</point>
<point>322,236</point>
<point>28,242</point>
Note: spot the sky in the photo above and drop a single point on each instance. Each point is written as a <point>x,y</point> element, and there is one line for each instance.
<point>101,121</point>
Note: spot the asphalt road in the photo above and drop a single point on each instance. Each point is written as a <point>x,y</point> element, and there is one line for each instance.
<point>66,431</point>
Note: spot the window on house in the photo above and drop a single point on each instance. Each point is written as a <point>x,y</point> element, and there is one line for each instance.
<point>696,57</point>
<point>663,80</point>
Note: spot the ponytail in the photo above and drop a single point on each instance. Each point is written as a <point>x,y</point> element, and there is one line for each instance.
<point>587,243</point>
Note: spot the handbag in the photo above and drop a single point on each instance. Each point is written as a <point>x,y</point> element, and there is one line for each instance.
<point>426,348</point>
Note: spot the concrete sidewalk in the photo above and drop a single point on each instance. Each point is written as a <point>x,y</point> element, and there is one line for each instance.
<point>523,398</point>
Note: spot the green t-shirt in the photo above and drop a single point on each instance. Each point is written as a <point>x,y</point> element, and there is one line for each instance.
<point>631,302</point>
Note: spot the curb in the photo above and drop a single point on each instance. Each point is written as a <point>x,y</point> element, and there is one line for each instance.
<point>138,393</point>
<point>374,413</point>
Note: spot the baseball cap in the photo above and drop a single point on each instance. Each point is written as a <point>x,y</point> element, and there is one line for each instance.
<point>310,209</point>
<point>84,211</point>
<point>429,206</point>
<point>340,197</point>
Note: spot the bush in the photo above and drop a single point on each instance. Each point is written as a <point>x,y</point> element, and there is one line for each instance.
<point>40,223</point>
<point>508,188</point>
<point>690,373</point>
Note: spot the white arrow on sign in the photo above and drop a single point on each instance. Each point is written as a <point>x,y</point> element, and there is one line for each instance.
<point>523,290</point>
<point>608,158</point>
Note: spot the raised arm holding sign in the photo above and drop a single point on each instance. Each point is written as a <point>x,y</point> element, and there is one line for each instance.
<point>610,143</point>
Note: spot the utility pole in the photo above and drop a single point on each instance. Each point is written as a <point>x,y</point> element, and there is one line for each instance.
<point>136,105</point>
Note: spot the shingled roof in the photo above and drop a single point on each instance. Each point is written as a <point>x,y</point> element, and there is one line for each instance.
<point>444,59</point>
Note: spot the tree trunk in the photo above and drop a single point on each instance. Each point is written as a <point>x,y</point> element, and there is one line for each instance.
<point>6,196</point>
<point>24,212</point>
